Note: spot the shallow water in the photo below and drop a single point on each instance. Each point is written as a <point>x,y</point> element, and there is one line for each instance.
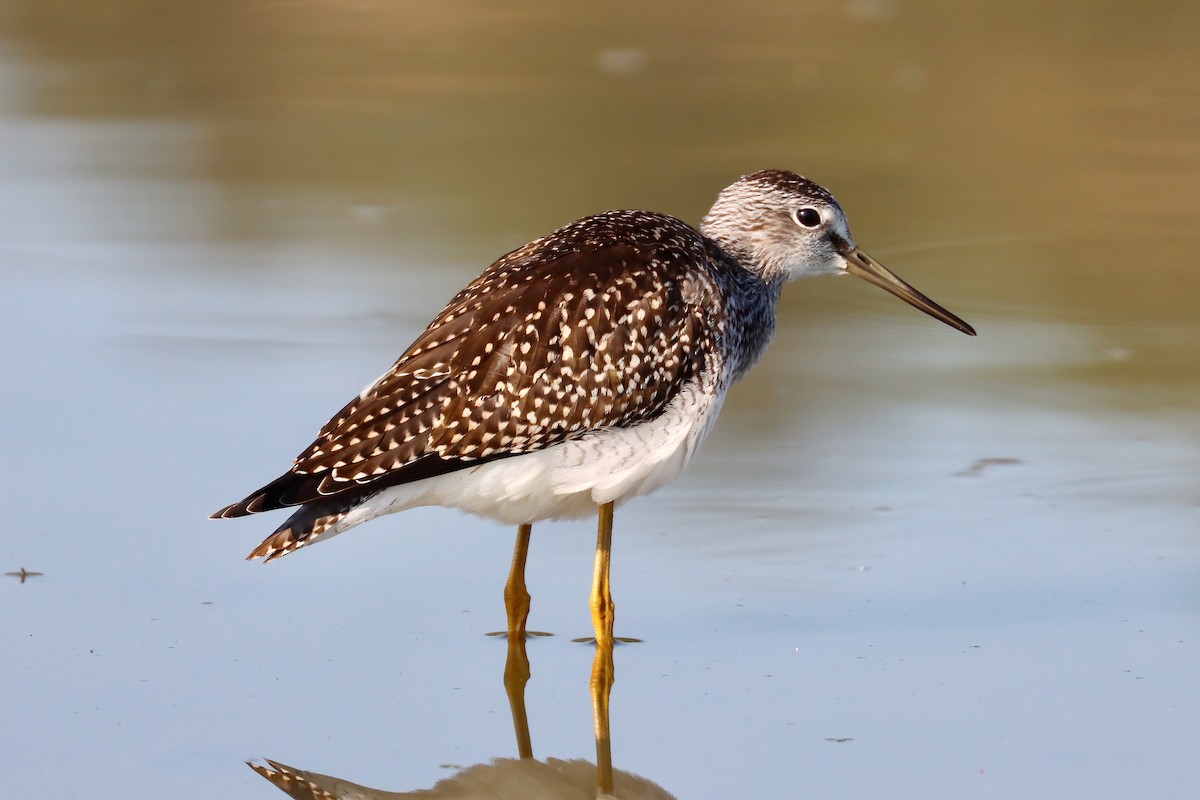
<point>907,563</point>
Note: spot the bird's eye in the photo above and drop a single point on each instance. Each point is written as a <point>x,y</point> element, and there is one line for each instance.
<point>807,217</point>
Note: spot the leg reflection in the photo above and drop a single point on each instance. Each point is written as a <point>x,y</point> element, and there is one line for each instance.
<point>502,777</point>
<point>516,675</point>
<point>601,685</point>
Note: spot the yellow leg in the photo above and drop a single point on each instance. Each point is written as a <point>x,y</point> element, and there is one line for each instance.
<point>601,684</point>
<point>516,595</point>
<point>602,603</point>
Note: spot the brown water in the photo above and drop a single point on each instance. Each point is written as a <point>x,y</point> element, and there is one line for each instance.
<point>974,559</point>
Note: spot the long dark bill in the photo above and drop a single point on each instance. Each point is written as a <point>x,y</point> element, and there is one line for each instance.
<point>863,266</point>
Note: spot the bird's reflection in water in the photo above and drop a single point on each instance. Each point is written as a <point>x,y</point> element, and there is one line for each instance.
<point>504,778</point>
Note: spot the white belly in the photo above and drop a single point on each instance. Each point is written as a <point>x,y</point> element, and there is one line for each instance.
<point>568,480</point>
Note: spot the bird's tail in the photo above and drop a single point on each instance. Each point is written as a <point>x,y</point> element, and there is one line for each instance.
<point>311,523</point>
<point>305,785</point>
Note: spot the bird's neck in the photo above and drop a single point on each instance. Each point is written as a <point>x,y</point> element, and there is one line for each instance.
<point>750,310</point>
<point>741,248</point>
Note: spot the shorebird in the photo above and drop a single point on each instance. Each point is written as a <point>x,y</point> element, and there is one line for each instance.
<point>575,373</point>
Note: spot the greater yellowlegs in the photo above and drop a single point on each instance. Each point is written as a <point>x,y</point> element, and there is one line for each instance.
<point>575,373</point>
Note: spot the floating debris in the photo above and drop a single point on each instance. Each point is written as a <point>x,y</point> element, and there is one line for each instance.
<point>23,573</point>
<point>984,464</point>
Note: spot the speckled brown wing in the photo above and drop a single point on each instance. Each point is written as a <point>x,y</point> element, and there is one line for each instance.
<point>549,343</point>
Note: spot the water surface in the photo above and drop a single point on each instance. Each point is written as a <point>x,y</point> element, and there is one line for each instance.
<point>907,563</point>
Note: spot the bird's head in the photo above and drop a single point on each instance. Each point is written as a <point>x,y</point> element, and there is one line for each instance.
<point>783,226</point>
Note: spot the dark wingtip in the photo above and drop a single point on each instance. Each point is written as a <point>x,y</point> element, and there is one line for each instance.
<point>279,493</point>
<point>225,513</point>
<point>243,508</point>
